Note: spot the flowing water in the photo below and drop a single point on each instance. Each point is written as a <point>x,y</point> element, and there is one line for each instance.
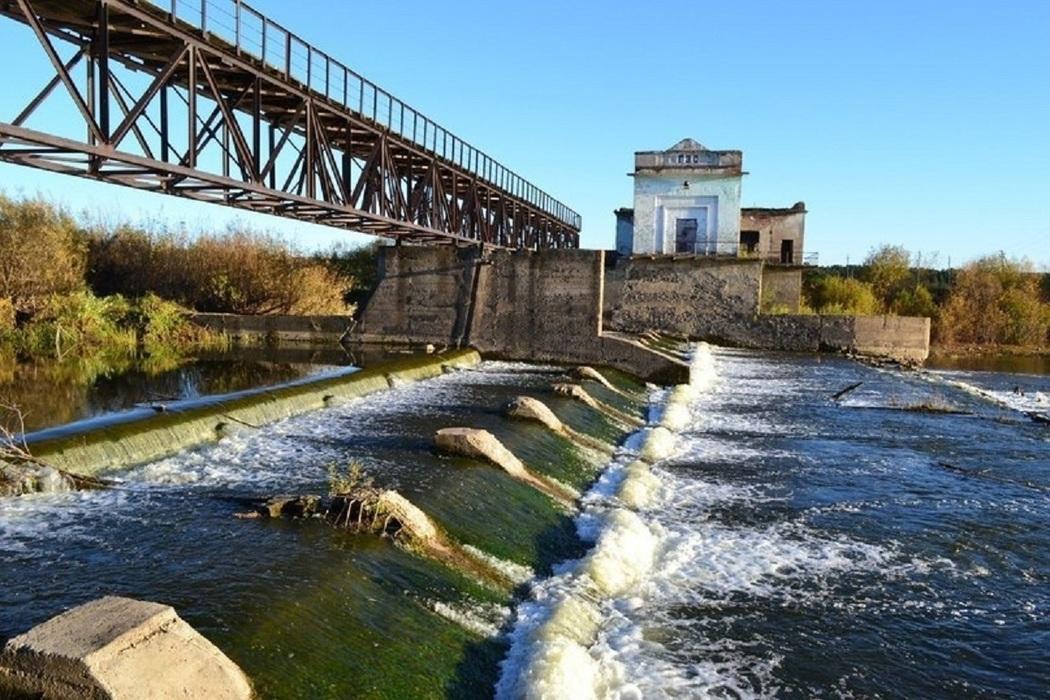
<point>773,542</point>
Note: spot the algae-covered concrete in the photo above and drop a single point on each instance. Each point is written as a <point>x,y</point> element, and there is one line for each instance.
<point>124,442</point>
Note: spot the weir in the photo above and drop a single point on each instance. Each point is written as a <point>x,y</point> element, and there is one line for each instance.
<point>497,530</point>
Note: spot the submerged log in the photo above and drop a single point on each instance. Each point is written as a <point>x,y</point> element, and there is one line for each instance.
<point>27,477</point>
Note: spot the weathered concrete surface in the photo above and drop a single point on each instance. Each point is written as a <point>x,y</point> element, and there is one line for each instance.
<point>424,296</point>
<point>698,297</point>
<point>899,337</point>
<point>528,408</point>
<point>479,444</point>
<point>781,289</point>
<point>277,329</point>
<point>577,392</point>
<point>520,305</point>
<point>119,648</point>
<point>718,301</point>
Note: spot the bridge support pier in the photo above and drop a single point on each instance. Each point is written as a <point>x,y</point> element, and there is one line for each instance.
<point>536,306</point>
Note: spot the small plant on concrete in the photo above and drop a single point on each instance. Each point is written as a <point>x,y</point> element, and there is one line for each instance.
<point>349,480</point>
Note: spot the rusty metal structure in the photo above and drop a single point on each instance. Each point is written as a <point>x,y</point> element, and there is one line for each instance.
<point>211,100</point>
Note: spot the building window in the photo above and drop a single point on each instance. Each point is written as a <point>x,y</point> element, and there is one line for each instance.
<point>787,252</point>
<point>749,242</point>
<point>685,235</point>
<point>681,158</point>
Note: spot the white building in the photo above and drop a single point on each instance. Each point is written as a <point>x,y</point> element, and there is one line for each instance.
<point>686,200</point>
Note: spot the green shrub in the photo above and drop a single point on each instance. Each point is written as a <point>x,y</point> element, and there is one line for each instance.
<point>79,324</point>
<point>843,296</point>
<point>914,301</point>
<point>165,329</point>
<point>8,317</point>
<point>888,270</point>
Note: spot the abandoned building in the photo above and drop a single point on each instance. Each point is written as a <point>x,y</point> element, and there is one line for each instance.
<point>687,201</point>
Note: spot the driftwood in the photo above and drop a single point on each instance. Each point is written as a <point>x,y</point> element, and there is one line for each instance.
<point>839,394</point>
<point>15,454</point>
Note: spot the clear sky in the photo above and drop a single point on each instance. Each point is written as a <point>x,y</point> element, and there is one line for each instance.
<point>919,122</point>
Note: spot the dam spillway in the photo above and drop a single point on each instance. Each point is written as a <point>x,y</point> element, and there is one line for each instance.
<point>783,527</point>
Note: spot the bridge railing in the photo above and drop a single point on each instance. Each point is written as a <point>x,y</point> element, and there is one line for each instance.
<point>253,34</point>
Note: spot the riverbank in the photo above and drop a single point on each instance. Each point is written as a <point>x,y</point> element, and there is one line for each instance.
<point>939,352</point>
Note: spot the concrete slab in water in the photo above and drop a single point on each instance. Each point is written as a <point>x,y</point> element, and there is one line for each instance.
<point>118,648</point>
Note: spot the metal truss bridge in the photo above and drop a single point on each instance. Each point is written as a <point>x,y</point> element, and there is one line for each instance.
<point>211,100</point>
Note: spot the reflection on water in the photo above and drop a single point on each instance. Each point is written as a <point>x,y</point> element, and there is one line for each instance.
<point>50,393</point>
<point>1013,364</point>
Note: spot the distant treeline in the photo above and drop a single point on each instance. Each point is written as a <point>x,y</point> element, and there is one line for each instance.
<point>994,300</point>
<point>67,287</point>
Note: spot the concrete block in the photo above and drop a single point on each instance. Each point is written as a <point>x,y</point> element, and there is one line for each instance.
<point>479,444</point>
<point>116,648</point>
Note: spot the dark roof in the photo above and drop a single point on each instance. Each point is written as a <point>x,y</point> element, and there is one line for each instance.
<point>799,208</point>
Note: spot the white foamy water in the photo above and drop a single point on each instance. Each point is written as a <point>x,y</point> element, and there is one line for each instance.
<point>284,456</point>
<point>555,642</point>
<point>1027,401</point>
<point>596,628</point>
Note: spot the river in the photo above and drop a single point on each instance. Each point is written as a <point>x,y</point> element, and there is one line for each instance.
<point>798,546</point>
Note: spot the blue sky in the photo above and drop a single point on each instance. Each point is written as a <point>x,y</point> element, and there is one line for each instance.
<point>923,123</point>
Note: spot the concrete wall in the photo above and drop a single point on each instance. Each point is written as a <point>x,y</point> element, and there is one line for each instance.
<point>698,297</point>
<point>655,194</point>
<point>549,307</point>
<point>522,305</point>
<point>901,337</point>
<point>424,295</point>
<point>781,289</point>
<point>284,329</point>
<point>718,301</point>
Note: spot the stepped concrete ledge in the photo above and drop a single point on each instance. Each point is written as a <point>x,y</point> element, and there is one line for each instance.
<point>115,649</point>
<point>528,408</point>
<point>483,445</point>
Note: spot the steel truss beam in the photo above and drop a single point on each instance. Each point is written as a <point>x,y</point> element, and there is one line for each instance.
<point>214,125</point>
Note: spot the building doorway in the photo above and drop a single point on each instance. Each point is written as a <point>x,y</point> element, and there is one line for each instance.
<point>749,242</point>
<point>685,235</point>
<point>787,252</point>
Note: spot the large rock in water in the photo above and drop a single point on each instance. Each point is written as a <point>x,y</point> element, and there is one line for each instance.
<point>116,648</point>
<point>480,444</point>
